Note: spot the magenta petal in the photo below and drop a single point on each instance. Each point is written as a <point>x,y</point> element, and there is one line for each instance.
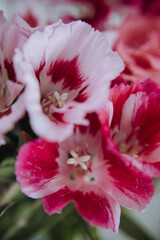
<point>55,202</point>
<point>131,188</point>
<point>102,211</point>
<point>36,167</point>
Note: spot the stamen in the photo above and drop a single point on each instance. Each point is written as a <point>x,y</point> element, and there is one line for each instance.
<point>61,99</point>
<point>55,99</point>
<point>76,160</point>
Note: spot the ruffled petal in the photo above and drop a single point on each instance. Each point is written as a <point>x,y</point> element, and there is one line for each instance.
<point>37,169</point>
<point>100,210</point>
<point>131,188</point>
<point>55,202</point>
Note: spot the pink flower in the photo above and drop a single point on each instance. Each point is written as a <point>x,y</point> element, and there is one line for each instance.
<point>91,11</point>
<point>135,126</point>
<point>82,170</point>
<point>146,6</point>
<point>138,44</point>
<point>67,69</point>
<point>34,12</point>
<point>13,34</point>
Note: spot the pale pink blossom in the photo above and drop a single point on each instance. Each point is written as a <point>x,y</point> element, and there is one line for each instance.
<point>12,35</point>
<point>81,169</point>
<point>139,46</point>
<point>135,127</point>
<point>40,12</point>
<point>67,69</point>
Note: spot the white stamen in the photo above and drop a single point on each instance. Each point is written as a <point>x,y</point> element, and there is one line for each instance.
<point>61,99</point>
<point>55,99</point>
<point>76,160</point>
<point>74,154</point>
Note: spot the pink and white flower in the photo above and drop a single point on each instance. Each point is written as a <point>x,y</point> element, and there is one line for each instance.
<point>91,11</point>
<point>67,69</point>
<point>139,47</point>
<point>135,126</point>
<point>82,170</point>
<point>13,34</point>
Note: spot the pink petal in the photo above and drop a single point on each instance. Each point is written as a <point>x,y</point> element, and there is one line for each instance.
<point>100,210</point>
<point>55,202</point>
<point>37,169</point>
<point>136,117</point>
<point>130,188</point>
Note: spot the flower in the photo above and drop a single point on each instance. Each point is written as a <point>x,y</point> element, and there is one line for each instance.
<point>135,127</point>
<point>82,170</point>
<point>31,11</point>
<point>146,6</point>
<point>13,34</point>
<point>139,46</point>
<point>67,69</point>
<point>90,11</point>
<point>93,12</point>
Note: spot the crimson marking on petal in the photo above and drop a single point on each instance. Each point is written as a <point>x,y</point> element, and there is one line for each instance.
<point>36,163</point>
<point>10,70</point>
<point>95,209</point>
<point>57,201</point>
<point>30,19</point>
<point>82,129</point>
<point>119,94</point>
<point>95,125</point>
<point>119,80</point>
<point>82,96</point>
<point>149,86</point>
<point>38,71</point>
<point>68,72</point>
<point>137,187</point>
<point>7,112</point>
<point>58,117</point>
<point>127,71</point>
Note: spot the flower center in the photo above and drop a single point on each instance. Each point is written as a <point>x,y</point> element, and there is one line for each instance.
<point>77,160</point>
<point>55,99</point>
<point>127,144</point>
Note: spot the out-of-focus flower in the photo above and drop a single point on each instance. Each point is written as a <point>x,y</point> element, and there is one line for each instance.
<point>145,6</point>
<point>13,34</point>
<point>139,46</point>
<point>135,125</point>
<point>91,11</point>
<point>82,170</point>
<point>67,69</point>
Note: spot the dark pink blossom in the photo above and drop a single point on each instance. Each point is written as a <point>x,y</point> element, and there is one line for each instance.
<point>82,169</point>
<point>135,126</point>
